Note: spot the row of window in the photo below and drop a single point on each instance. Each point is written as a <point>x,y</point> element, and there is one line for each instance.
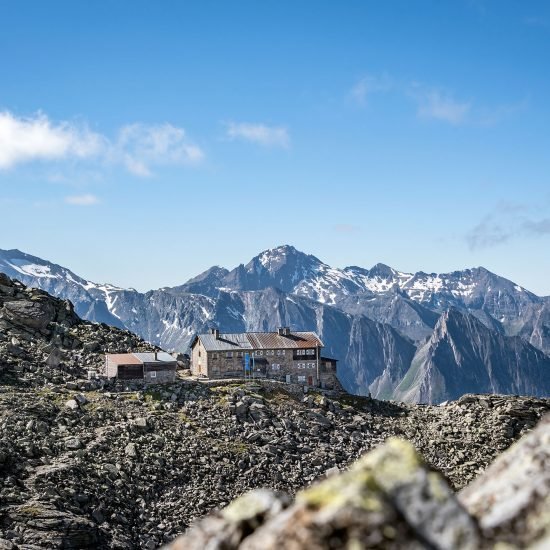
<point>259,353</point>
<point>306,365</point>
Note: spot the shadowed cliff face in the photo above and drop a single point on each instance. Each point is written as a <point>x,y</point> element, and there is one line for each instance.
<point>463,355</point>
<point>384,326</point>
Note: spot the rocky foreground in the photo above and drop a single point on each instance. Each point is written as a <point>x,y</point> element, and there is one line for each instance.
<point>392,499</point>
<point>86,465</point>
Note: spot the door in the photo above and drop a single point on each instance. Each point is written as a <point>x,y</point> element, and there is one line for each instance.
<point>288,378</point>
<point>310,380</point>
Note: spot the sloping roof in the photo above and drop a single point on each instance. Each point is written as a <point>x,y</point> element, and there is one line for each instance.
<point>123,358</point>
<point>225,342</point>
<point>139,358</point>
<point>162,357</point>
<point>259,340</point>
<point>274,340</point>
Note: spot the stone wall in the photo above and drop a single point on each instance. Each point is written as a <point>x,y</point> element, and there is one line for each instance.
<point>199,360</point>
<point>161,376</point>
<point>276,367</point>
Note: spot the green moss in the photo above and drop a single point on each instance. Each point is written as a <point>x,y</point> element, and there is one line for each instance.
<point>354,488</point>
<point>370,480</point>
<point>31,510</point>
<point>152,395</point>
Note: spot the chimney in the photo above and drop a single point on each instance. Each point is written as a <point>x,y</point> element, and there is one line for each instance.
<point>215,332</point>
<point>283,331</point>
<point>155,355</point>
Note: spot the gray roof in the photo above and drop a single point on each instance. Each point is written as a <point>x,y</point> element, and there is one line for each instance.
<point>162,357</point>
<point>225,342</point>
<point>259,340</point>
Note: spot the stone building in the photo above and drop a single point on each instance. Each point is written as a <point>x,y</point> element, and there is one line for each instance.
<point>151,368</point>
<point>292,357</point>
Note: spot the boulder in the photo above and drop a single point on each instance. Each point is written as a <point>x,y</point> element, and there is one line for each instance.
<point>34,314</point>
<point>511,499</point>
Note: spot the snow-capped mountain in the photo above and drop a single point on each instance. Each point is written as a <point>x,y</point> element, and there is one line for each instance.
<point>379,322</point>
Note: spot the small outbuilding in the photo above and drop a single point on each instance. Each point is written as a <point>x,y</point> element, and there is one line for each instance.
<point>151,368</point>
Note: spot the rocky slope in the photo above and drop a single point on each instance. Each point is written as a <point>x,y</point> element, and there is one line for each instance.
<point>88,466</point>
<point>375,321</point>
<point>392,499</point>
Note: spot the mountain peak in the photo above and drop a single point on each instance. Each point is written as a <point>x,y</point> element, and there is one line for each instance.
<point>280,253</point>
<point>382,270</point>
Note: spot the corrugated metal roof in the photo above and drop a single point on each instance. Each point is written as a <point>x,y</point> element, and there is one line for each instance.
<point>225,342</point>
<point>162,357</point>
<point>259,340</point>
<point>274,340</point>
<point>123,358</point>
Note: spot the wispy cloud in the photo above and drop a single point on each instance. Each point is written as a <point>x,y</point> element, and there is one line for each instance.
<point>141,147</point>
<point>138,147</point>
<point>506,222</point>
<point>268,136</point>
<point>441,106</point>
<point>82,200</point>
<point>368,85</point>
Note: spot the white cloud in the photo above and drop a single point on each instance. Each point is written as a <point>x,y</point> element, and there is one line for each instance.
<point>435,104</point>
<point>37,138</point>
<point>268,136</point>
<point>138,147</point>
<point>82,200</point>
<point>368,85</point>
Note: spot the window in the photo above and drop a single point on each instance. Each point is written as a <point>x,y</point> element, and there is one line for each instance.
<point>311,365</point>
<point>239,354</point>
<point>311,352</point>
<point>199,353</point>
<point>229,354</point>
<point>214,356</point>
<point>259,352</point>
<point>275,366</point>
<point>282,352</point>
<point>301,378</point>
<point>153,374</point>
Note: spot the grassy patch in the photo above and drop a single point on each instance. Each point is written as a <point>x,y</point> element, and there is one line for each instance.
<point>356,401</point>
<point>31,510</point>
<point>151,396</point>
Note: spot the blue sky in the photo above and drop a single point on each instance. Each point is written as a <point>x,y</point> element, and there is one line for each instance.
<point>142,142</point>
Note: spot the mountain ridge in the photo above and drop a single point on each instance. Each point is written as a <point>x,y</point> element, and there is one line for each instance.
<point>374,321</point>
